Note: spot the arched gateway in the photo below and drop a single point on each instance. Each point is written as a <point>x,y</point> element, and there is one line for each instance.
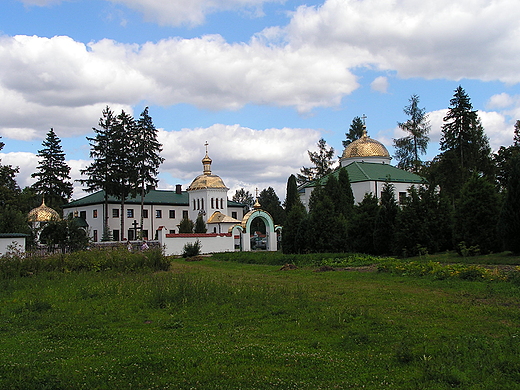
<point>243,230</point>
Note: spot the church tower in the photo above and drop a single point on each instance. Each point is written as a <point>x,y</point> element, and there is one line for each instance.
<point>207,193</point>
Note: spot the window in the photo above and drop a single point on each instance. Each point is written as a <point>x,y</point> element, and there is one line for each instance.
<point>172,213</point>
<point>198,204</point>
<point>95,235</point>
<point>184,214</point>
<point>194,205</point>
<point>130,213</point>
<point>158,213</point>
<point>145,213</point>
<point>172,231</point>
<point>402,197</point>
<point>202,203</point>
<point>212,203</point>
<point>83,215</point>
<point>145,234</point>
<point>131,235</point>
<point>115,235</point>
<point>94,213</point>
<point>115,214</point>
<point>234,214</point>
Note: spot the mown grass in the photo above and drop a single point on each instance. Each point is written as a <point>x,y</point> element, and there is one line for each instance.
<point>226,325</point>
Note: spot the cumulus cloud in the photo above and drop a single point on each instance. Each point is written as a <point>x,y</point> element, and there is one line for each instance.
<point>430,39</point>
<point>380,84</point>
<point>242,157</point>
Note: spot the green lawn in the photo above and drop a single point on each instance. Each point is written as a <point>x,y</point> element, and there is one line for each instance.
<point>225,325</point>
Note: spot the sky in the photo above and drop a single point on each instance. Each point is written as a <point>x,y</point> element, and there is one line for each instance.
<point>260,80</point>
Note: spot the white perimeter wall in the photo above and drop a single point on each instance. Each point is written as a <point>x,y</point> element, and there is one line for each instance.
<point>173,244</point>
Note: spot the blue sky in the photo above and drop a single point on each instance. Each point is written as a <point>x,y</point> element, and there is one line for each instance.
<point>260,80</point>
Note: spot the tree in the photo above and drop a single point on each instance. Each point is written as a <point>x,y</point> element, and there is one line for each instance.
<point>504,156</point>
<point>271,203</point>
<point>186,226</point>
<point>355,131</point>
<point>476,215</point>
<point>66,234</point>
<point>509,223</point>
<point>361,232</point>
<point>200,225</point>
<point>122,166</point>
<point>322,160</point>
<point>53,179</point>
<point>244,197</point>
<point>100,172</point>
<point>146,156</point>
<point>295,215</point>
<point>385,221</point>
<point>408,148</point>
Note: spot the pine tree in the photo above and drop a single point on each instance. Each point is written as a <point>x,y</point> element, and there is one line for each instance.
<point>53,179</point>
<point>271,203</point>
<point>186,226</point>
<point>408,148</point>
<point>322,160</point>
<point>363,224</point>
<point>146,149</point>
<point>355,131</point>
<point>504,156</point>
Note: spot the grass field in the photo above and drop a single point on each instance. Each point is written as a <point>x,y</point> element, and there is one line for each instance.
<point>215,324</point>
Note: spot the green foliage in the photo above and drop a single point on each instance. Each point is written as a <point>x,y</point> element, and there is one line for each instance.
<point>363,223</point>
<point>200,225</point>
<point>244,197</point>
<point>415,143</point>
<point>322,161</point>
<point>384,229</point>
<point>186,226</point>
<point>65,234</point>
<point>192,249</point>
<point>53,175</point>
<point>355,131</point>
<point>509,222</point>
<point>476,215</point>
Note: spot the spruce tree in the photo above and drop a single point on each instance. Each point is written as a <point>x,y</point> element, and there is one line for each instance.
<point>295,214</point>
<point>409,148</point>
<point>322,160</point>
<point>271,203</point>
<point>361,231</point>
<point>244,197</point>
<point>99,171</point>
<point>200,225</point>
<point>476,216</point>
<point>355,131</point>
<point>146,149</point>
<point>186,226</point>
<point>509,226</point>
<point>385,221</point>
<point>53,179</point>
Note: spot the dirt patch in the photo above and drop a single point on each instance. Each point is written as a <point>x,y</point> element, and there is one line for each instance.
<point>325,268</point>
<point>288,267</point>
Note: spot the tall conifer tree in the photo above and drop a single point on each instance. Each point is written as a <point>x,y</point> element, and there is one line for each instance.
<point>355,131</point>
<point>322,160</point>
<point>53,179</point>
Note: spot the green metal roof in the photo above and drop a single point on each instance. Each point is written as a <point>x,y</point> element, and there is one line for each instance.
<point>165,197</point>
<point>365,171</point>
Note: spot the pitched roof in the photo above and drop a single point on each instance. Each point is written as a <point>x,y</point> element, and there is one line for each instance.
<point>159,197</point>
<point>365,171</point>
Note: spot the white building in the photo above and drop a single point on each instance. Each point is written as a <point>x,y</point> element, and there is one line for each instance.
<point>163,209</point>
<point>367,162</point>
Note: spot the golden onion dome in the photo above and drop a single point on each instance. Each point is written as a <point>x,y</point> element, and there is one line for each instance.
<point>207,179</point>
<point>365,147</point>
<point>43,213</point>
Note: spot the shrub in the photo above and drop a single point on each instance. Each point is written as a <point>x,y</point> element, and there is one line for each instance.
<point>191,249</point>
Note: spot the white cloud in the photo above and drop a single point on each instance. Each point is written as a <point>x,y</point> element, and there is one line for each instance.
<point>380,84</point>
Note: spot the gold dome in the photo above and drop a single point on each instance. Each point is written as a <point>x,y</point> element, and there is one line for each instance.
<point>204,181</point>
<point>207,179</point>
<point>43,213</point>
<point>365,147</point>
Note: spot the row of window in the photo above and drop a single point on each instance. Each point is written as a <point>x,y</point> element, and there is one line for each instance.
<point>158,213</point>
<point>216,203</point>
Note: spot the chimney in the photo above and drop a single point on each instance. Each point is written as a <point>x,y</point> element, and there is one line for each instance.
<point>178,188</point>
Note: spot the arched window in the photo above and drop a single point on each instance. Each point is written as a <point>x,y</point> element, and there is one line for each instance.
<point>198,204</point>
<point>221,203</point>
<point>194,205</point>
<point>202,203</point>
<point>212,203</point>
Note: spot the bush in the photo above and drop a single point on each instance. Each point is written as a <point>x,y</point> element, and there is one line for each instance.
<point>191,249</point>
